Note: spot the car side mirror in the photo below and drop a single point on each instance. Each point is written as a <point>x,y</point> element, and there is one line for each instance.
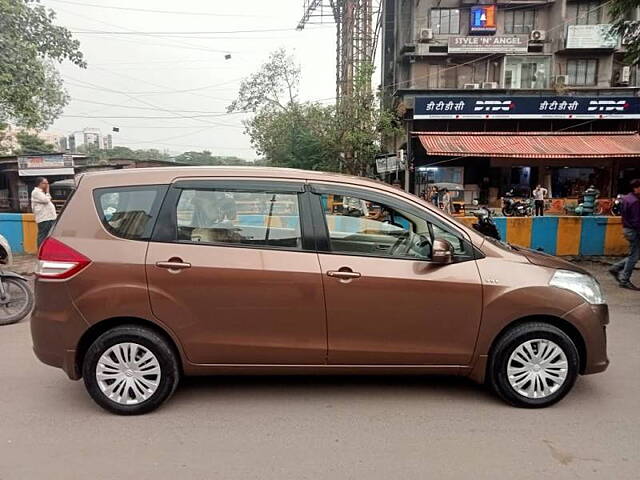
<point>442,251</point>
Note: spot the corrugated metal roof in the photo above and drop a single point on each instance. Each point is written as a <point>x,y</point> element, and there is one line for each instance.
<point>531,144</point>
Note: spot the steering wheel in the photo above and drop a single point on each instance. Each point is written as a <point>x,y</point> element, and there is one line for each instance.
<point>402,237</point>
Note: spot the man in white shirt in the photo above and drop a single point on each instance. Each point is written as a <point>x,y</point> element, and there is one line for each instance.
<point>43,208</point>
<point>539,195</point>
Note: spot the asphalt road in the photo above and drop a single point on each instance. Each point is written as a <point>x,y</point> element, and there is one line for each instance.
<point>328,427</point>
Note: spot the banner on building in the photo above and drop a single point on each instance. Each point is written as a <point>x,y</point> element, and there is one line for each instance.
<point>498,44</point>
<point>42,165</point>
<point>591,36</point>
<point>388,164</point>
<point>487,107</point>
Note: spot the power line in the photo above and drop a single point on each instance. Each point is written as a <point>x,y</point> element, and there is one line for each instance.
<point>170,12</point>
<point>188,32</point>
<point>130,107</point>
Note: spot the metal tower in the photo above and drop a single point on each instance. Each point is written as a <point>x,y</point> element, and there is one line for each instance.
<point>356,36</point>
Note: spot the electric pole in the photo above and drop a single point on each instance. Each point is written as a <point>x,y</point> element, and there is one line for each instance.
<point>356,36</point>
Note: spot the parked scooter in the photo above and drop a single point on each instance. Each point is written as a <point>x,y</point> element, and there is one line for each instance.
<point>16,298</point>
<point>485,224</point>
<point>616,207</point>
<point>515,208</point>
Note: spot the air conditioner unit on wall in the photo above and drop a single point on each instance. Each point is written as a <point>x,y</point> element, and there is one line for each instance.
<point>560,81</point>
<point>487,85</point>
<point>538,36</point>
<point>471,86</point>
<point>426,35</point>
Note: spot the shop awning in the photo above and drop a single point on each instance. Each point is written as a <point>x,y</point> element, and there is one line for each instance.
<point>531,144</point>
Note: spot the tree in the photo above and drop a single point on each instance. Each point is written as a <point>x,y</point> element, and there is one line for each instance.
<point>206,158</point>
<point>32,144</point>
<point>31,91</point>
<point>621,12</point>
<point>309,135</point>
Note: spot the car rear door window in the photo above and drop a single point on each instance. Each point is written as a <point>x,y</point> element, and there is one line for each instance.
<point>230,216</point>
<point>129,212</point>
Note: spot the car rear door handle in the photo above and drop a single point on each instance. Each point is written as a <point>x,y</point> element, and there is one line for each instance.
<point>343,274</point>
<point>173,265</point>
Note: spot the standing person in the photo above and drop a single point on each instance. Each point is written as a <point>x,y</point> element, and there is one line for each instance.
<point>43,208</point>
<point>446,201</point>
<point>434,195</point>
<point>539,195</point>
<point>631,227</point>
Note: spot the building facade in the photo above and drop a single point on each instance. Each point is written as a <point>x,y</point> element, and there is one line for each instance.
<point>506,95</point>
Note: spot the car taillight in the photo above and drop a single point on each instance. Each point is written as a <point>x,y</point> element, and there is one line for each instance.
<point>59,261</point>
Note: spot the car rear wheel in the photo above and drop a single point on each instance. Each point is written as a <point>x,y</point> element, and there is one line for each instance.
<point>130,370</point>
<point>534,365</point>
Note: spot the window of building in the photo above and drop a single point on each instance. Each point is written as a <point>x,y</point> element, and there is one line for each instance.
<point>582,71</point>
<point>527,71</point>
<point>519,21</point>
<point>584,13</point>
<point>445,21</point>
<point>253,218</point>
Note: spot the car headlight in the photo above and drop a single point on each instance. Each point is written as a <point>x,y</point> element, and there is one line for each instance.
<point>584,285</point>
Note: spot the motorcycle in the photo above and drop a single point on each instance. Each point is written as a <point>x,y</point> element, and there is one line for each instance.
<point>16,298</point>
<point>515,208</point>
<point>616,207</point>
<point>485,224</point>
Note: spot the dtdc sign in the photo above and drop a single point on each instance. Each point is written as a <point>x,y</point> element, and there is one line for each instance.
<point>526,107</point>
<point>483,20</point>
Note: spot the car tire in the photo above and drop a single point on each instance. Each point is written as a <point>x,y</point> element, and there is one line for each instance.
<point>130,370</point>
<point>551,368</point>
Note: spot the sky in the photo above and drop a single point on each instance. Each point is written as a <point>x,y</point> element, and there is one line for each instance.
<point>131,76</point>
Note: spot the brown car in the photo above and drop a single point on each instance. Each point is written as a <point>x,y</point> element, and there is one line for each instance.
<point>157,273</point>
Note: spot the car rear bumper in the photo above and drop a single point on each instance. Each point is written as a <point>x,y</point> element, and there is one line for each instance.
<point>592,321</point>
<point>56,327</point>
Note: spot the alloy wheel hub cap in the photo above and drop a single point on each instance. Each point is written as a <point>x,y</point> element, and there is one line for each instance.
<point>128,373</point>
<point>537,368</point>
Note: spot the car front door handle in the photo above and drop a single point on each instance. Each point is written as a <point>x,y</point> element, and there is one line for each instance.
<point>343,274</point>
<point>173,264</point>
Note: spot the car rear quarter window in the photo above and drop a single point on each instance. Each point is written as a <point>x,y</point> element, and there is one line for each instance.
<point>129,212</point>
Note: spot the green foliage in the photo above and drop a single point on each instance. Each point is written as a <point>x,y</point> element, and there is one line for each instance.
<point>31,91</point>
<point>621,11</point>
<point>190,158</point>
<point>309,135</point>
<point>32,144</point>
<point>206,158</point>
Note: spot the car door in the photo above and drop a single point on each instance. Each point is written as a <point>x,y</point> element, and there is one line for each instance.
<point>232,273</point>
<point>387,302</point>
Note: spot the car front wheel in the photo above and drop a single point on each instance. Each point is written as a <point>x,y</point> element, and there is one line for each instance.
<point>130,370</point>
<point>534,365</point>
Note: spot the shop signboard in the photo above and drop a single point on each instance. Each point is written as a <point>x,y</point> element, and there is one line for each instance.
<point>42,165</point>
<point>388,164</point>
<point>482,20</point>
<point>498,44</point>
<point>591,36</point>
<point>488,107</point>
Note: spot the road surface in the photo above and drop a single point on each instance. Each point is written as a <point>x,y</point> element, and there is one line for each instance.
<point>327,427</point>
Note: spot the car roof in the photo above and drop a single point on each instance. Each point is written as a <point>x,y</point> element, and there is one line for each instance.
<point>131,176</point>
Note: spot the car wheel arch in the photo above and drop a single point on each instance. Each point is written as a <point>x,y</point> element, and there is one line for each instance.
<point>567,327</point>
<point>103,326</point>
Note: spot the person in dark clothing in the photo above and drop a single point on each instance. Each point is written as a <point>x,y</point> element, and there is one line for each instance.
<point>631,227</point>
